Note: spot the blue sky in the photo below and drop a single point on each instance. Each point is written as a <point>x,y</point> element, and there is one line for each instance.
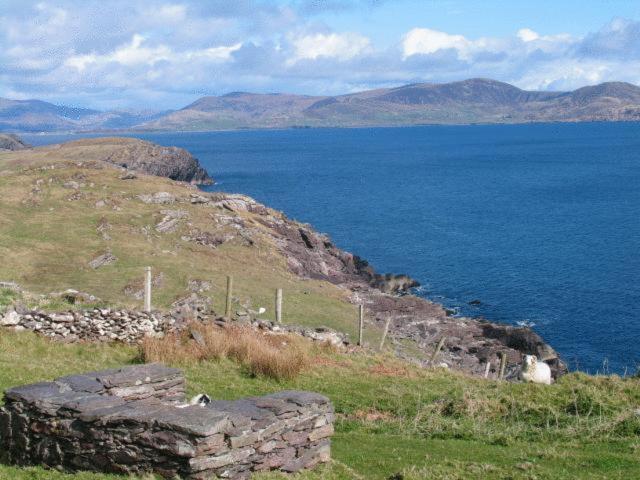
<point>164,54</point>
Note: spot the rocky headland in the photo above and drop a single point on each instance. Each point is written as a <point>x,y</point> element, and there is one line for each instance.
<point>146,157</point>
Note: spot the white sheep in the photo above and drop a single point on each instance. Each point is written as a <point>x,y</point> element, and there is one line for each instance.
<point>534,371</point>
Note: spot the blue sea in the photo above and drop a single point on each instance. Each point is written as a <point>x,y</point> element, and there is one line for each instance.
<point>540,223</point>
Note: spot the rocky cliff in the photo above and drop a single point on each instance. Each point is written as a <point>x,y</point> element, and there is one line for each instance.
<point>131,154</point>
<point>146,157</point>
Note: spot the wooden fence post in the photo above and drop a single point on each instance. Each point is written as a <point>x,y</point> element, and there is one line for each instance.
<point>437,351</point>
<point>279,305</point>
<point>147,289</point>
<point>227,307</point>
<point>384,333</point>
<point>360,323</point>
<point>486,369</point>
<point>503,365</point>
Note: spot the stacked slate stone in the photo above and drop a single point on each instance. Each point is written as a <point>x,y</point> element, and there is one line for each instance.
<point>134,420</point>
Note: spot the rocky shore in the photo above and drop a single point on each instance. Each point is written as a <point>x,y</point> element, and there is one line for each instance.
<point>469,343</point>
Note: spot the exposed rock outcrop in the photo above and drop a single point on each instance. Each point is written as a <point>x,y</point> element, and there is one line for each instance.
<point>12,142</point>
<point>138,156</point>
<point>171,162</point>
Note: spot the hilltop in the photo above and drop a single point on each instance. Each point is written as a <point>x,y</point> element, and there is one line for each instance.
<point>470,101</point>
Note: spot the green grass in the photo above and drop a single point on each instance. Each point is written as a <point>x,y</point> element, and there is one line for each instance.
<point>394,418</point>
<point>7,297</point>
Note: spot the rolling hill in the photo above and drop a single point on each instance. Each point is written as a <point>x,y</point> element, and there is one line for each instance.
<point>39,116</point>
<point>468,101</point>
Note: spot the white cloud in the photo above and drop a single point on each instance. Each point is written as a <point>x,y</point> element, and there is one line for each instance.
<point>527,35</point>
<point>136,54</point>
<point>342,46</point>
<point>170,13</point>
<point>426,41</point>
<point>569,74</point>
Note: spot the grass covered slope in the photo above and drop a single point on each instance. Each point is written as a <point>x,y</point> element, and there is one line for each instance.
<point>394,418</point>
<point>62,207</point>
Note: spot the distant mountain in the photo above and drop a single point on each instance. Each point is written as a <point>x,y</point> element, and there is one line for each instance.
<point>39,116</point>
<point>469,101</point>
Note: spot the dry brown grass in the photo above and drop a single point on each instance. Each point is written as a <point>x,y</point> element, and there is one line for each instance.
<point>281,357</point>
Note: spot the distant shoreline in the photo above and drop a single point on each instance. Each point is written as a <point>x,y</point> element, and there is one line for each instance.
<point>282,129</point>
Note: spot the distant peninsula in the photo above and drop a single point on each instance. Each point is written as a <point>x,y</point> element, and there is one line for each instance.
<point>464,102</point>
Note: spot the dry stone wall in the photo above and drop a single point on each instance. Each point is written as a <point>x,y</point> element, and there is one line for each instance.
<point>131,326</point>
<point>134,420</point>
<point>91,325</point>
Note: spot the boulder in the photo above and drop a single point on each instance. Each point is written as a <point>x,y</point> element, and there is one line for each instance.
<point>10,319</point>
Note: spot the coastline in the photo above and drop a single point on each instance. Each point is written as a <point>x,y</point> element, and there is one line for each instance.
<point>470,343</point>
<point>131,132</point>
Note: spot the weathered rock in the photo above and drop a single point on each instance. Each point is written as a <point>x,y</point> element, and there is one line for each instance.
<point>10,319</point>
<point>104,259</point>
<point>171,220</point>
<point>162,198</point>
<point>172,162</point>
<point>72,184</point>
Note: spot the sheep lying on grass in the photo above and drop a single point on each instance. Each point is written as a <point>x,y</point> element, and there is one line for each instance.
<point>535,371</point>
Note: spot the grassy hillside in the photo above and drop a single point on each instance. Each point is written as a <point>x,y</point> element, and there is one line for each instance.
<point>60,209</point>
<point>394,418</point>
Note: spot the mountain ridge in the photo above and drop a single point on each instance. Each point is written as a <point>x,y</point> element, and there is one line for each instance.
<point>476,100</point>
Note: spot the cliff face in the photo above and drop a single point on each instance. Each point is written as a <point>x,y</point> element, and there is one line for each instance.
<point>146,157</point>
<point>139,156</point>
<point>12,142</point>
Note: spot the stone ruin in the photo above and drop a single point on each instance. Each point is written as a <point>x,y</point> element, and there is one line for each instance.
<point>134,420</point>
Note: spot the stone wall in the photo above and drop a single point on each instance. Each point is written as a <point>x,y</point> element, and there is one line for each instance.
<point>130,326</point>
<point>134,420</point>
<point>91,325</point>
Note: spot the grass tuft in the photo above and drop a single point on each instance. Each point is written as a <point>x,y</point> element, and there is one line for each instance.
<point>281,357</point>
